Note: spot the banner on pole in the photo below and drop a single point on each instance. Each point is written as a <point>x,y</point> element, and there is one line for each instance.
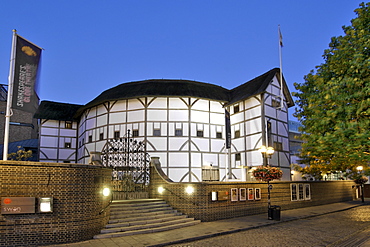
<point>228,129</point>
<point>27,59</point>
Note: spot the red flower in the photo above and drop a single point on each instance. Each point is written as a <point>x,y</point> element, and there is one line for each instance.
<point>267,173</point>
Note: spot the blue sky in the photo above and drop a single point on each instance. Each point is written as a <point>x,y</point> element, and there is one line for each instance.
<point>91,45</point>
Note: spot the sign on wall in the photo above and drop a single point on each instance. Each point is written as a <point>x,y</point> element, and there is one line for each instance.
<point>18,205</point>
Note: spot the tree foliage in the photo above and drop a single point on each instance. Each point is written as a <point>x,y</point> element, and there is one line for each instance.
<point>20,155</point>
<point>334,102</point>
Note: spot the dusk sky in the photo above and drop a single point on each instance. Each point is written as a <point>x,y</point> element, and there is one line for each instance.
<point>91,46</point>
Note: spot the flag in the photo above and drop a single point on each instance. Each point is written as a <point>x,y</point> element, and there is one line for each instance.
<point>228,129</point>
<point>26,66</point>
<point>280,38</point>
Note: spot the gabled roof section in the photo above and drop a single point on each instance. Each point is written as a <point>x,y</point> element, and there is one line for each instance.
<point>56,111</point>
<point>257,86</point>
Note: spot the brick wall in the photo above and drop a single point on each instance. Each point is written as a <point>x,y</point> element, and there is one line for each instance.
<point>78,202</point>
<point>200,206</point>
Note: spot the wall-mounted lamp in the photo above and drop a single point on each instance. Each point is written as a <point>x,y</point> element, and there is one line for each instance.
<point>189,190</point>
<point>106,191</point>
<point>160,189</point>
<point>45,204</point>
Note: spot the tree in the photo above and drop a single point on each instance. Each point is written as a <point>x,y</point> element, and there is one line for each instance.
<point>20,155</point>
<point>334,102</point>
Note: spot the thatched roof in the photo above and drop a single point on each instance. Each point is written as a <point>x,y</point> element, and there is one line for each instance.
<point>163,87</point>
<point>56,111</point>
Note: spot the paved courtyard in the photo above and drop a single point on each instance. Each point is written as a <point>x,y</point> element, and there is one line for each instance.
<point>344,228</point>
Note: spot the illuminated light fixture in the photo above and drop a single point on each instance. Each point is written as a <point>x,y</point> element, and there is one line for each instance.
<point>263,149</point>
<point>359,168</point>
<point>160,189</point>
<point>268,151</point>
<point>189,190</point>
<point>46,204</point>
<point>106,192</point>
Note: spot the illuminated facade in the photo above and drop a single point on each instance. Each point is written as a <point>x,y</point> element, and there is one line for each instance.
<point>182,122</point>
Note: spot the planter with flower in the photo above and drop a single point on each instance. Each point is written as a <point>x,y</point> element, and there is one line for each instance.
<point>267,174</point>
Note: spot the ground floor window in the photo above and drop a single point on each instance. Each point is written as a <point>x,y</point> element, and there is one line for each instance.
<point>300,192</point>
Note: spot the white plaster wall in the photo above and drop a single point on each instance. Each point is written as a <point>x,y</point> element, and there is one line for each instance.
<point>117,117</point>
<point>179,159</point>
<point>177,103</point>
<point>49,131</point>
<point>49,141</point>
<point>119,106</point>
<point>178,115</point>
<point>50,123</point>
<point>156,115</point>
<point>201,104</point>
<point>176,143</point>
<point>159,103</point>
<point>199,116</point>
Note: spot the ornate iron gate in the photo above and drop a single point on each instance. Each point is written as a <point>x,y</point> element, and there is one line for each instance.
<point>130,163</point>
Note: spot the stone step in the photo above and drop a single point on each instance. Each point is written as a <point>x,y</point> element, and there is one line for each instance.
<point>139,209</point>
<point>131,217</point>
<point>142,221</point>
<point>148,230</point>
<point>124,215</point>
<point>151,215</point>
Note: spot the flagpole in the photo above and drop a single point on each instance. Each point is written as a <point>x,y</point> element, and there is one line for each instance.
<point>281,69</point>
<point>10,94</point>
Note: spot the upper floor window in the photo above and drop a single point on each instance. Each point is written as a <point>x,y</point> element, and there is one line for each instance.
<point>278,146</point>
<point>116,135</point>
<point>178,132</point>
<point>101,136</point>
<point>199,133</point>
<point>237,133</point>
<point>219,135</point>
<point>237,157</point>
<point>67,145</point>
<point>90,138</point>
<point>68,124</point>
<point>236,108</point>
<point>135,133</point>
<point>157,132</point>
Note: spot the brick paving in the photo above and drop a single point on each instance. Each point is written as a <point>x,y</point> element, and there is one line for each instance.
<point>206,230</point>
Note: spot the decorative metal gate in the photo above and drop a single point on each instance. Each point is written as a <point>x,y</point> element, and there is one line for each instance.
<point>130,163</point>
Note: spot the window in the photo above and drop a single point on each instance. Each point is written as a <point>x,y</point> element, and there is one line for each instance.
<point>66,161</point>
<point>68,124</point>
<point>116,135</point>
<point>67,145</point>
<point>275,103</point>
<point>90,138</point>
<point>199,133</point>
<point>219,135</point>
<point>237,157</point>
<point>178,132</point>
<point>237,133</point>
<point>135,133</point>
<point>278,146</point>
<point>156,132</point>
<point>101,136</point>
<point>236,108</point>
<point>300,192</point>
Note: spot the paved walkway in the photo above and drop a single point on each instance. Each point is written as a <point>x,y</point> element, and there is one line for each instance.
<point>215,228</point>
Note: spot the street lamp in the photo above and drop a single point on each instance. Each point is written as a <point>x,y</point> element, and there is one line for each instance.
<point>266,152</point>
<point>359,169</point>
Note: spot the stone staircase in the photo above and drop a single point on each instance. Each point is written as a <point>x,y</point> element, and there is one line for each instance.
<point>130,217</point>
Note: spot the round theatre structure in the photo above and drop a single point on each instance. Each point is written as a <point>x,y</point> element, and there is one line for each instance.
<point>187,124</point>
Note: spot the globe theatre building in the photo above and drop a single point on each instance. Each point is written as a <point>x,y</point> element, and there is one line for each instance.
<point>180,121</point>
